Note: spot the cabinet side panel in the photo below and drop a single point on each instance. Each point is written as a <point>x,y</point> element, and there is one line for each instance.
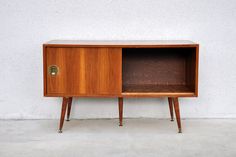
<point>192,70</point>
<point>197,68</point>
<point>44,71</point>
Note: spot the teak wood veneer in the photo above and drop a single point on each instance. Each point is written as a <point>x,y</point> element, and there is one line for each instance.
<point>120,69</point>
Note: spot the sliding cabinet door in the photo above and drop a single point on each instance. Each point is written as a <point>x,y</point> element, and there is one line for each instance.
<point>83,71</point>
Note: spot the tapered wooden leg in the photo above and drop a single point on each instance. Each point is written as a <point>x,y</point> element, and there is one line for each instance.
<point>120,103</point>
<point>63,112</point>
<point>69,109</point>
<point>177,113</point>
<point>171,108</point>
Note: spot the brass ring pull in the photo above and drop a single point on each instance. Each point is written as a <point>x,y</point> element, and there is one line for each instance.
<point>53,70</point>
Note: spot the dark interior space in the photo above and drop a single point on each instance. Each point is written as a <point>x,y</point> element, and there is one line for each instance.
<point>158,70</point>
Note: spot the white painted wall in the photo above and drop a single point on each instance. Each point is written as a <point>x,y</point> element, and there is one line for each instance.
<point>26,24</point>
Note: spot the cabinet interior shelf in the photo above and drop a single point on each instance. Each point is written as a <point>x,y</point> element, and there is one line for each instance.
<point>156,88</point>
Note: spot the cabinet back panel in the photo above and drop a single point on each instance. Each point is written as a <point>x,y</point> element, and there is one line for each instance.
<point>158,66</point>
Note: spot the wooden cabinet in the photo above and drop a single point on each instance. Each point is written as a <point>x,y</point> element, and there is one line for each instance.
<point>120,69</point>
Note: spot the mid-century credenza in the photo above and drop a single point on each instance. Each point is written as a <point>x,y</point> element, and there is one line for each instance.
<point>120,69</point>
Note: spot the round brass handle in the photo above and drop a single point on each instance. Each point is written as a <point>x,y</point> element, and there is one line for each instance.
<point>53,70</point>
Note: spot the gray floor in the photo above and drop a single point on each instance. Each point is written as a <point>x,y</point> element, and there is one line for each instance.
<point>101,138</point>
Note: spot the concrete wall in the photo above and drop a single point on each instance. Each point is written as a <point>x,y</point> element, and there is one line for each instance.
<point>26,25</point>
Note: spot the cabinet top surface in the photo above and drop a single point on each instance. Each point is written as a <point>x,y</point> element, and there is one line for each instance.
<point>120,42</point>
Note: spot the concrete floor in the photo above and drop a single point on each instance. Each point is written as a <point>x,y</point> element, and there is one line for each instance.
<point>104,138</point>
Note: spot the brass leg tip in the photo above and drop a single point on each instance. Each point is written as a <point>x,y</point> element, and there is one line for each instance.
<point>59,131</point>
<point>180,130</point>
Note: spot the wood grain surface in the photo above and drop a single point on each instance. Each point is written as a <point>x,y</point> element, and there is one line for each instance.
<point>121,68</point>
<point>84,71</point>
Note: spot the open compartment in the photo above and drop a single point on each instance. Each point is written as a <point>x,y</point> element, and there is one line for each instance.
<point>159,70</point>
